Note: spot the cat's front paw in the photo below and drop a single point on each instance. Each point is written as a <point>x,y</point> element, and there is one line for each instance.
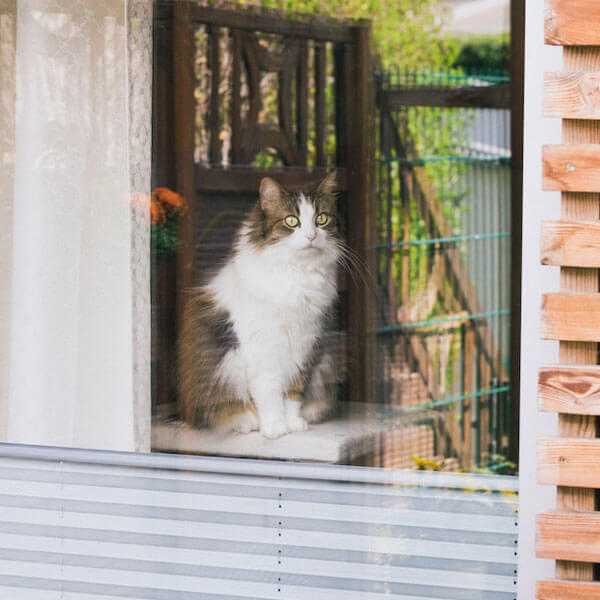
<point>245,422</point>
<point>273,429</point>
<point>296,424</point>
<point>316,412</point>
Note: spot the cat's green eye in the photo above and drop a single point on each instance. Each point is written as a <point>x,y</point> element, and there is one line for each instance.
<point>292,221</point>
<point>322,219</point>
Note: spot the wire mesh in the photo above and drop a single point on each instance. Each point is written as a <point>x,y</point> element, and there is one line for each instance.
<point>443,183</point>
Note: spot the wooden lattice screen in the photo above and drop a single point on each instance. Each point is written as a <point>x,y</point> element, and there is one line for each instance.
<point>571,534</point>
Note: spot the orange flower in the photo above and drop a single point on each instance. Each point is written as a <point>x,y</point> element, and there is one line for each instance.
<point>170,201</point>
<point>157,213</point>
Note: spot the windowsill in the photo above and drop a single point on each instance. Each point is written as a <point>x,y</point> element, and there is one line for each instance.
<point>340,440</point>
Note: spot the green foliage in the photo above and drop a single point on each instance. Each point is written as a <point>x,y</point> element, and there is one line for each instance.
<point>433,136</point>
<point>496,464</point>
<point>483,53</point>
<point>424,464</point>
<point>164,237</point>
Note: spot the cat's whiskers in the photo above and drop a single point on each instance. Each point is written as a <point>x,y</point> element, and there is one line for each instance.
<point>354,265</point>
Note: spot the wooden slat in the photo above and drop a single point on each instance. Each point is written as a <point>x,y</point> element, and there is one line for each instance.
<point>578,206</point>
<point>163,174</point>
<point>571,167</point>
<point>569,389</point>
<point>572,95</point>
<point>163,102</point>
<point>214,118</point>
<point>302,101</point>
<point>236,106</point>
<point>184,106</point>
<point>567,590</point>
<point>284,99</point>
<point>252,59</point>
<point>571,317</point>
<point>255,18</point>
<point>342,54</point>
<point>184,143</point>
<point>320,69</point>
<point>569,462</point>
<point>572,22</point>
<point>248,180</point>
<point>497,96</point>
<point>571,243</point>
<point>362,224</point>
<point>569,536</point>
<point>273,21</point>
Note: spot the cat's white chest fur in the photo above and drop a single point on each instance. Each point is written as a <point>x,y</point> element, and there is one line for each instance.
<point>276,305</point>
<point>276,300</point>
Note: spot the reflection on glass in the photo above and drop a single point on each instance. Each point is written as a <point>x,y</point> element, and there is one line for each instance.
<point>322,249</point>
<point>408,366</point>
<point>361,319</point>
<point>74,265</point>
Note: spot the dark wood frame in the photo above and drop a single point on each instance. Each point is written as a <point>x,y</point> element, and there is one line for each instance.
<point>517,95</point>
<point>173,157</point>
<point>173,162</point>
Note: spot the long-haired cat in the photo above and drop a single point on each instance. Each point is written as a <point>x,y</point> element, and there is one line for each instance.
<point>251,354</point>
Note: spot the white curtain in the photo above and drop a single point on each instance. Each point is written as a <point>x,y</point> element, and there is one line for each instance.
<point>75,88</point>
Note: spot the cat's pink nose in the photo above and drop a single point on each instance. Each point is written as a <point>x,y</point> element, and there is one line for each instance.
<point>311,236</point>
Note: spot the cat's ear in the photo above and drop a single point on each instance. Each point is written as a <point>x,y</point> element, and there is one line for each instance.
<point>328,185</point>
<point>271,194</point>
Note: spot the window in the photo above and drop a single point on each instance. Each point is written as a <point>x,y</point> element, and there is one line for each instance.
<point>136,138</point>
<point>415,353</point>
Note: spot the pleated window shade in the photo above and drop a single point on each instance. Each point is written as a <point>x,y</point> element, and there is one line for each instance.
<point>78,524</point>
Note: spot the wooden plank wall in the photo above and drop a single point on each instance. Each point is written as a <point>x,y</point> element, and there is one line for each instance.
<point>570,534</point>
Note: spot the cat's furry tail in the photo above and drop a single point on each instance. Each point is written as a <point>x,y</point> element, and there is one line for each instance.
<point>322,392</point>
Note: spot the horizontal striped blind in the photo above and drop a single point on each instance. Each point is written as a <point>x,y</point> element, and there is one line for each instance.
<point>102,525</point>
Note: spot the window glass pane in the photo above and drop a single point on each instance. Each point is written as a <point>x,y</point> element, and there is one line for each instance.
<point>261,237</point>
<point>407,364</point>
<point>327,227</point>
<point>264,253</point>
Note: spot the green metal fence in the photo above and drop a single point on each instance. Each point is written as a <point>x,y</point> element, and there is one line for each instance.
<point>443,182</point>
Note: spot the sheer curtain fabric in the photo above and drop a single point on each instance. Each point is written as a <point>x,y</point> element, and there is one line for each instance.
<point>75,88</point>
